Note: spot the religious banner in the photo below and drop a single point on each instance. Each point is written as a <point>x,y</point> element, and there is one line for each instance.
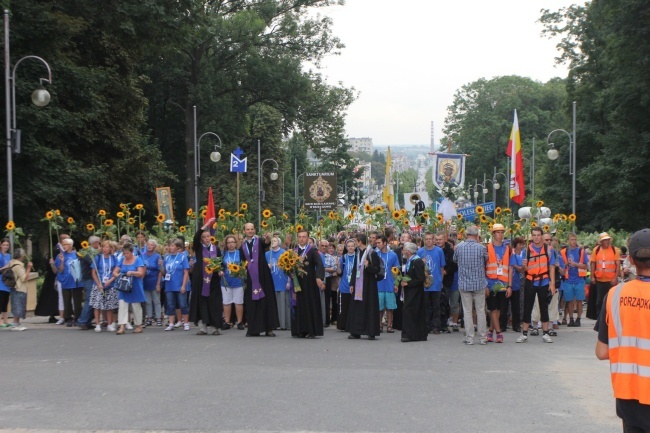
<point>164,199</point>
<point>320,191</point>
<point>448,170</point>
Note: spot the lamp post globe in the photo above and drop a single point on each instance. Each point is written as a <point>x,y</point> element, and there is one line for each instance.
<point>215,156</point>
<point>497,185</point>
<point>274,176</point>
<point>552,154</point>
<point>40,97</point>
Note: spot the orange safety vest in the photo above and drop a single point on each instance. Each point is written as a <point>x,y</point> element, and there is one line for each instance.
<point>537,267</point>
<point>581,272</point>
<point>491,269</point>
<point>606,268</point>
<point>628,326</point>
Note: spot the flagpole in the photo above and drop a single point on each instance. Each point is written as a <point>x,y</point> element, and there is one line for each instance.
<point>237,193</point>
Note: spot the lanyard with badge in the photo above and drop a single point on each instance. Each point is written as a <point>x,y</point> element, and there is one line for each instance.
<point>499,261</point>
<point>170,267</point>
<point>106,269</point>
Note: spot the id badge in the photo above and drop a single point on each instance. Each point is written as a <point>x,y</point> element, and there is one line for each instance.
<point>603,265</point>
<point>500,270</point>
<point>349,278</point>
<point>105,279</point>
<point>168,277</point>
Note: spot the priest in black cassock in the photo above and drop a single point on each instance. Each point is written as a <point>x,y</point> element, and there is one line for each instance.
<point>306,314</point>
<point>414,321</point>
<point>259,294</point>
<point>363,315</point>
<point>206,302</point>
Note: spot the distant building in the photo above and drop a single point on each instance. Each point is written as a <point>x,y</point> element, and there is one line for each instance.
<point>361,145</point>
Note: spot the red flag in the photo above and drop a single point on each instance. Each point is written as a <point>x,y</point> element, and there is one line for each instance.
<point>209,211</point>
<point>514,151</point>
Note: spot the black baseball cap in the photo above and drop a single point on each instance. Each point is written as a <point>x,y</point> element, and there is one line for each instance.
<point>639,245</point>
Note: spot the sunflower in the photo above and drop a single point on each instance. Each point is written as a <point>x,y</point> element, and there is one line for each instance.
<point>498,211</point>
<point>102,212</point>
<point>517,226</point>
<point>120,214</point>
<point>108,222</point>
<point>142,226</point>
<point>214,226</point>
<point>546,228</point>
<point>233,267</point>
<point>440,218</point>
<point>507,210</point>
<point>539,203</point>
<point>331,215</point>
<point>480,210</point>
<point>222,217</point>
<point>213,240</point>
<point>70,220</point>
<point>556,217</point>
<point>209,270</point>
<point>572,217</point>
<point>49,215</point>
<point>131,221</point>
<point>490,226</point>
<point>182,229</point>
<point>139,206</point>
<point>58,212</point>
<point>510,231</point>
<point>266,213</point>
<point>234,231</point>
<point>264,224</point>
<point>533,224</point>
<point>367,208</point>
<point>379,208</point>
<point>293,261</point>
<point>244,207</point>
<point>425,215</point>
<point>395,270</point>
<point>484,219</point>
<point>84,244</point>
<point>404,212</point>
<point>221,212</point>
<point>406,222</point>
<point>160,218</point>
<point>189,212</point>
<point>123,206</point>
<point>396,214</point>
<point>10,225</point>
<point>354,208</point>
<point>459,216</point>
<point>204,212</point>
<point>299,227</point>
<point>351,216</point>
<point>564,217</point>
<point>285,216</point>
<point>223,227</point>
<point>90,227</point>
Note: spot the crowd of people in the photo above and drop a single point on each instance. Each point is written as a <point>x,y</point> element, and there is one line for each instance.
<point>362,283</point>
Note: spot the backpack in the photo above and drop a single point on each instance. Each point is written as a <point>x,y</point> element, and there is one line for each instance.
<point>381,274</point>
<point>9,278</point>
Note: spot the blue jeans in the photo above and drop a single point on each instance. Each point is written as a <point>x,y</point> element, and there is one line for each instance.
<point>87,313</point>
<point>176,300</point>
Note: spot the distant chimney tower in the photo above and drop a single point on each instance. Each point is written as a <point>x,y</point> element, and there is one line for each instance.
<point>433,146</point>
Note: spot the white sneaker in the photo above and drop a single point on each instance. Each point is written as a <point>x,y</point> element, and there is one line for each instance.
<point>98,328</point>
<point>178,324</point>
<point>61,321</point>
<point>112,327</point>
<point>18,328</point>
<point>169,327</point>
<point>468,341</point>
<point>129,326</point>
<point>547,338</point>
<point>186,327</point>
<point>522,339</point>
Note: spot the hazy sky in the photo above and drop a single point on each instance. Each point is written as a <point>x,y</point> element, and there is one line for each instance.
<point>406,58</point>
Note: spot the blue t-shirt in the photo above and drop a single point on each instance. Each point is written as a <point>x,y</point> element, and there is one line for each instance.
<point>231,257</point>
<point>574,278</point>
<point>551,262</point>
<point>104,267</point>
<point>347,267</point>
<point>66,278</point>
<point>518,260</point>
<point>499,251</point>
<point>175,266</point>
<point>279,277</point>
<point>390,261</point>
<point>4,259</point>
<point>137,293</point>
<point>435,260</point>
<point>151,263</point>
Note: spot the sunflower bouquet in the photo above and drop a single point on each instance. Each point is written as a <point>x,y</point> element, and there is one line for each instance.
<point>498,287</point>
<point>212,263</point>
<point>54,221</point>
<point>292,264</point>
<point>239,271</point>
<point>398,277</point>
<point>87,250</point>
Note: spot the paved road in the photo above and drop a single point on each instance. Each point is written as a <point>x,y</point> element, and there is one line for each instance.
<point>57,379</point>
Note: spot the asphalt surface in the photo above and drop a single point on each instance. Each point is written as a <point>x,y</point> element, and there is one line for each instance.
<point>63,379</point>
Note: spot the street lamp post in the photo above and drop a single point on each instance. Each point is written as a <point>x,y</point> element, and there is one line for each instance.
<point>553,155</point>
<point>261,196</point>
<point>215,156</point>
<point>496,186</point>
<point>296,178</point>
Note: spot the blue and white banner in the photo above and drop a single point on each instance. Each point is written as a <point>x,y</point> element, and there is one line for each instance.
<point>448,169</point>
<point>469,213</point>
<point>237,163</point>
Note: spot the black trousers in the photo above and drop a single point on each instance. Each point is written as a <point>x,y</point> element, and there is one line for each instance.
<point>72,298</point>
<point>514,302</point>
<point>432,304</point>
<point>530,292</point>
<point>601,290</point>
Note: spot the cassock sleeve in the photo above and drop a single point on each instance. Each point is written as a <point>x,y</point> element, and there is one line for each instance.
<point>373,263</point>
<point>416,272</point>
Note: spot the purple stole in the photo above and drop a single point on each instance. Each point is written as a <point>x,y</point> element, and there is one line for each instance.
<point>253,268</point>
<point>207,278</point>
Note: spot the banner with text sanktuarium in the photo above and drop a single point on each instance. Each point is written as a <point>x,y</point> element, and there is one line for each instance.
<point>320,191</point>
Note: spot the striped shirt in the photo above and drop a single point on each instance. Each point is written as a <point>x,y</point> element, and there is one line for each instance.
<point>471,258</point>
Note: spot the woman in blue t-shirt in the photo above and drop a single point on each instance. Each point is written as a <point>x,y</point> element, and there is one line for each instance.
<point>232,289</point>
<point>5,257</point>
<point>280,283</point>
<point>154,265</point>
<point>176,274</point>
<point>103,297</point>
<point>132,266</point>
<point>346,266</point>
<point>68,274</point>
